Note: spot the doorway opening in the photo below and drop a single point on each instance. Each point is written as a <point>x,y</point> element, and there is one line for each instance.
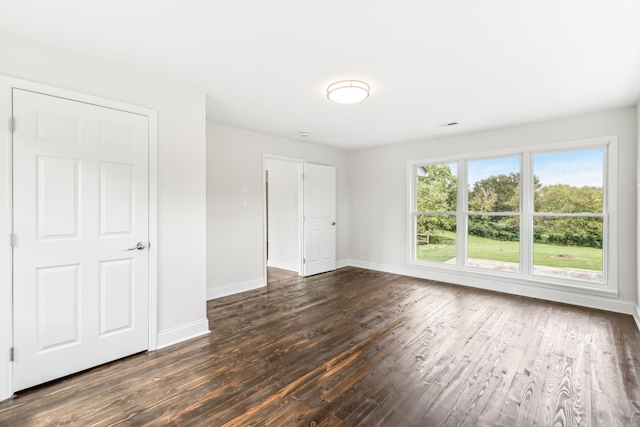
<point>283,213</point>
<point>299,216</point>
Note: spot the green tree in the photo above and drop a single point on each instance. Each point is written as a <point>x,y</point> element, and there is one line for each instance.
<point>496,193</point>
<point>436,189</point>
<point>437,192</point>
<point>563,198</point>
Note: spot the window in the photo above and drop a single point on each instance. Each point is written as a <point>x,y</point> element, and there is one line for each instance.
<point>435,222</point>
<point>539,214</point>
<point>493,218</point>
<point>568,215</point>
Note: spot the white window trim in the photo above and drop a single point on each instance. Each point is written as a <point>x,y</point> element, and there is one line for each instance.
<point>608,288</point>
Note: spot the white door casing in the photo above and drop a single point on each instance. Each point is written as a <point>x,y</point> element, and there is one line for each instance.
<point>80,200</point>
<point>319,219</point>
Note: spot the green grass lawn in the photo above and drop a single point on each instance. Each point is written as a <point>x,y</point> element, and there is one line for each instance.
<point>496,250</point>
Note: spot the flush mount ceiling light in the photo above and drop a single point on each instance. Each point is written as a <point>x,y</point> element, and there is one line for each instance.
<point>348,91</point>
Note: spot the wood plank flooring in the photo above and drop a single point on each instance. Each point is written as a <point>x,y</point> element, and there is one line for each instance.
<point>363,348</point>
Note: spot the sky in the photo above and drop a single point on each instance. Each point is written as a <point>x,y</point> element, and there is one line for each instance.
<point>576,168</point>
<point>481,169</point>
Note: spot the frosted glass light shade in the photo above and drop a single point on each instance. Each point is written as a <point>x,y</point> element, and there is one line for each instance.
<point>348,91</point>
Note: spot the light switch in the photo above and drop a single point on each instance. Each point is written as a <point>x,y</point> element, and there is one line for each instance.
<point>244,189</point>
<point>244,202</point>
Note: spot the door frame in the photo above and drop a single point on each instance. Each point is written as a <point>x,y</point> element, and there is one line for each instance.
<point>300,162</point>
<point>7,84</point>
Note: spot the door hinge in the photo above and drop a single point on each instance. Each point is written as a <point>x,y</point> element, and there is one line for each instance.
<point>304,260</point>
<point>12,354</point>
<point>304,177</point>
<point>13,240</point>
<point>12,124</point>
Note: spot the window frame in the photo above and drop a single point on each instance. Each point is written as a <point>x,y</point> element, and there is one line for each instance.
<point>416,212</point>
<point>468,213</point>
<point>609,285</point>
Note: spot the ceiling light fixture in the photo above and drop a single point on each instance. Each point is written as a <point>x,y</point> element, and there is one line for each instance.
<point>348,91</point>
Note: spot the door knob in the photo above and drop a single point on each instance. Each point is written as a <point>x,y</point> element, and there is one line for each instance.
<point>333,223</point>
<point>140,246</point>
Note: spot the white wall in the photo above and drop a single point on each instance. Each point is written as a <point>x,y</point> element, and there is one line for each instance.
<point>181,167</point>
<point>284,218</point>
<point>378,191</point>
<point>235,239</point>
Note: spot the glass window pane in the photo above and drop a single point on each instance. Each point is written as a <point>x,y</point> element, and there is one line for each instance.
<point>436,238</point>
<point>494,242</point>
<point>494,185</point>
<point>568,247</point>
<point>569,182</point>
<point>437,187</point>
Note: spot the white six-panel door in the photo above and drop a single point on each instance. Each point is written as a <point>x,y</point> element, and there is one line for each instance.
<point>319,219</point>
<point>80,203</point>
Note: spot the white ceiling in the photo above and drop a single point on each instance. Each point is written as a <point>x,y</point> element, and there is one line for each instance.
<point>265,65</point>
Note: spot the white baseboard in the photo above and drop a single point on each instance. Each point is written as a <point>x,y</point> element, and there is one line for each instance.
<point>505,285</point>
<point>294,267</point>
<point>235,288</point>
<point>343,263</point>
<point>183,333</point>
<point>636,316</point>
<point>289,266</point>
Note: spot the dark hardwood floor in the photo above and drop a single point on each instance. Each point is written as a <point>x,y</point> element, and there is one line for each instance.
<point>363,348</point>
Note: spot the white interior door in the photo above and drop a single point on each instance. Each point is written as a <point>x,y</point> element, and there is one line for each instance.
<point>319,219</point>
<point>80,202</point>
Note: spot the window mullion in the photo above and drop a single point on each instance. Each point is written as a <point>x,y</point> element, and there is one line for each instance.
<point>461,220</point>
<point>526,219</point>
<point>413,208</point>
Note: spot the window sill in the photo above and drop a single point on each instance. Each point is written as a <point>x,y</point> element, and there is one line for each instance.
<point>466,276</point>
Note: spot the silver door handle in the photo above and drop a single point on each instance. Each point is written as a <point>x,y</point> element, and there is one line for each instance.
<point>333,223</point>
<point>140,246</point>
